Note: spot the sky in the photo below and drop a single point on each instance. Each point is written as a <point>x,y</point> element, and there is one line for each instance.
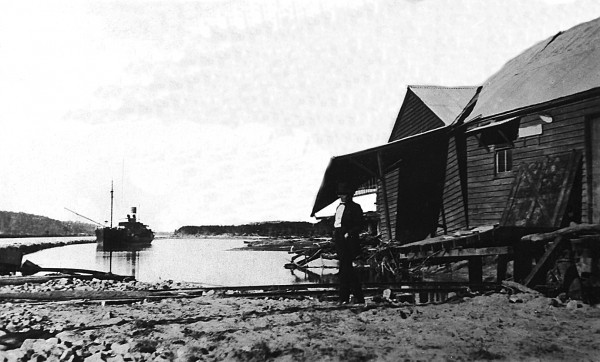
<point>226,112</point>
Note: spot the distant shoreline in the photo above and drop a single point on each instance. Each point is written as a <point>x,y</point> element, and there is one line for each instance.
<point>9,236</point>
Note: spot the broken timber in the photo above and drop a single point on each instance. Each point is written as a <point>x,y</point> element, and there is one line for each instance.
<point>324,290</point>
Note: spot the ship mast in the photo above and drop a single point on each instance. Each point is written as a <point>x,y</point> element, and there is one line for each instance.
<point>111,202</point>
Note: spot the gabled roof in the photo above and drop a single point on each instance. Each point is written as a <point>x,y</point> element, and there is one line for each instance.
<point>428,107</point>
<point>563,65</point>
<point>445,102</point>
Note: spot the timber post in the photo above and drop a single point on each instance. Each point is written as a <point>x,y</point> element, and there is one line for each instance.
<point>385,199</point>
<point>475,270</point>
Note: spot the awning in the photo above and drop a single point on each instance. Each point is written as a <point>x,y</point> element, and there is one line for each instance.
<point>497,132</point>
<point>489,126</point>
<point>360,167</point>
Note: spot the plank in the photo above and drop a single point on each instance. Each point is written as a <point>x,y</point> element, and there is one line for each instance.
<point>460,253</point>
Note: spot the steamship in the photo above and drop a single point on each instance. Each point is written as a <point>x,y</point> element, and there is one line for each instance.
<point>130,232</point>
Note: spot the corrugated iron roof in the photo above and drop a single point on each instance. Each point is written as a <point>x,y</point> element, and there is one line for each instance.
<point>565,64</point>
<point>445,102</point>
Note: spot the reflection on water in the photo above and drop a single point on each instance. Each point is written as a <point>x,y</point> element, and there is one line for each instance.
<point>205,261</point>
<point>126,259</point>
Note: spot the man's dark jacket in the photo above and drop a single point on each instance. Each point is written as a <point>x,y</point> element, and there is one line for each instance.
<point>352,219</point>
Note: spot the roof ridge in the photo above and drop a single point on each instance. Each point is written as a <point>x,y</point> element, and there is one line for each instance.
<point>441,86</point>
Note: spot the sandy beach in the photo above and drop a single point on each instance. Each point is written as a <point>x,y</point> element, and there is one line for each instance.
<point>71,319</point>
<point>112,321</point>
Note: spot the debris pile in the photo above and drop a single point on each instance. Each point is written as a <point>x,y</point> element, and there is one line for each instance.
<point>376,256</point>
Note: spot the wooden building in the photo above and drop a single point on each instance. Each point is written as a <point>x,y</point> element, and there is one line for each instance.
<point>426,108</point>
<point>411,168</point>
<point>542,109</point>
<point>453,158</point>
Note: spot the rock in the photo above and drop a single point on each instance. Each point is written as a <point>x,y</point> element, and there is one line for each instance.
<point>11,327</point>
<point>15,355</point>
<point>36,357</point>
<point>67,337</point>
<point>361,317</point>
<point>562,297</point>
<point>574,304</point>
<point>39,346</point>
<point>94,347</point>
<point>161,359</point>
<point>387,294</point>
<point>97,357</point>
<point>120,348</point>
<point>515,299</point>
<point>67,355</point>
<point>117,358</point>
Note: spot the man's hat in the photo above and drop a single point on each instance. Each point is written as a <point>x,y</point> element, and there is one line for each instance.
<point>344,189</point>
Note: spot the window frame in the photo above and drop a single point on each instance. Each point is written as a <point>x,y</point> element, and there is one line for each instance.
<point>508,164</point>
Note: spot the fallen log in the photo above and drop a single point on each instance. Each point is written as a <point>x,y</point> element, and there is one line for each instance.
<point>29,268</point>
<point>569,230</point>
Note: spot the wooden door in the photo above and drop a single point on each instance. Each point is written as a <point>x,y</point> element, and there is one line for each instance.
<point>595,153</point>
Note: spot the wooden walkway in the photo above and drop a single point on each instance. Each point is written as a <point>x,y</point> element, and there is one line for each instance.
<point>471,246</point>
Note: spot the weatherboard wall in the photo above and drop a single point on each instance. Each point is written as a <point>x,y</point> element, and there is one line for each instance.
<point>488,191</point>
<point>453,214</point>
<point>414,118</point>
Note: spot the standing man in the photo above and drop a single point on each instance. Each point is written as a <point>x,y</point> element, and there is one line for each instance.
<point>347,225</point>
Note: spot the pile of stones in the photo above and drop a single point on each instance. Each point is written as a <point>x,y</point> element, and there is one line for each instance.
<point>92,285</point>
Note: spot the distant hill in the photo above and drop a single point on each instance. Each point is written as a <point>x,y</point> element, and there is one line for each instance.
<point>268,228</point>
<point>22,224</point>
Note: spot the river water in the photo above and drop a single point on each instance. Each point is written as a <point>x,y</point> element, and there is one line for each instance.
<point>211,262</point>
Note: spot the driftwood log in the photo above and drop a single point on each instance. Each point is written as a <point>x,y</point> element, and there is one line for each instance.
<point>570,230</point>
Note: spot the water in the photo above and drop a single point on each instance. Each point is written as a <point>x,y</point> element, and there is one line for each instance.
<point>211,262</point>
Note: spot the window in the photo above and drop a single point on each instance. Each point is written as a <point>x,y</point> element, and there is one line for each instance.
<point>503,160</point>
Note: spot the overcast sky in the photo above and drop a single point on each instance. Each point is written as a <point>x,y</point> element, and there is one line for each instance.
<point>226,112</point>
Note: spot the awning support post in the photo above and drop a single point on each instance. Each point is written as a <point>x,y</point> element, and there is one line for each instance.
<point>385,198</point>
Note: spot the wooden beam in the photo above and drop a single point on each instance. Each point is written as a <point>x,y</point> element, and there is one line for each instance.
<point>544,264</point>
<point>501,268</point>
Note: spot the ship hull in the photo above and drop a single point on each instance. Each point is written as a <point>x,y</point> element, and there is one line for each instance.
<point>116,238</point>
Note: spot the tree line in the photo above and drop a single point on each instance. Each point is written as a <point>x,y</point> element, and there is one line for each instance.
<point>19,224</point>
<point>267,228</point>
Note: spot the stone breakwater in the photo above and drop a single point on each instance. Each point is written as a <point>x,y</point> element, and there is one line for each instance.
<point>31,245</point>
